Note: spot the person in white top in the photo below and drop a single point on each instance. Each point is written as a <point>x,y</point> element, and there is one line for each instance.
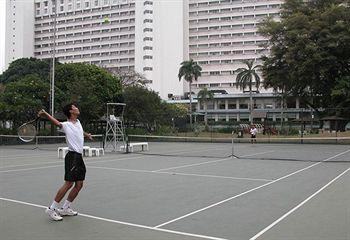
<point>253,132</point>
<point>75,169</point>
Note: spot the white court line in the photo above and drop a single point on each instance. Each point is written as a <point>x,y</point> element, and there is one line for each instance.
<point>183,174</point>
<point>246,192</point>
<point>296,207</point>
<point>217,176</point>
<point>120,222</point>
<point>29,169</point>
<point>208,162</point>
<point>29,164</point>
<point>85,160</point>
<point>25,156</point>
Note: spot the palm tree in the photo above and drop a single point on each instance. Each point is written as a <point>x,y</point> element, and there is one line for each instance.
<point>245,79</point>
<point>190,71</point>
<point>203,96</point>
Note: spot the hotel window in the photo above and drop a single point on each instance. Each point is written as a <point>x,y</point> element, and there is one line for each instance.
<point>243,106</point>
<point>221,104</point>
<point>210,105</point>
<point>232,105</point>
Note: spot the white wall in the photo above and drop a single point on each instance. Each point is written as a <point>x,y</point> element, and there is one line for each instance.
<point>2,34</point>
<point>168,46</point>
<point>19,40</point>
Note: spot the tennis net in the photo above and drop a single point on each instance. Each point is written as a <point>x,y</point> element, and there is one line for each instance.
<point>286,149</point>
<point>44,142</point>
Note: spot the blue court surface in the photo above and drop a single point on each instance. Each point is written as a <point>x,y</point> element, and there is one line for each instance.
<point>183,191</point>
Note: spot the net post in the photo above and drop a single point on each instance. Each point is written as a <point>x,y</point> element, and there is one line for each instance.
<point>36,142</point>
<point>127,143</point>
<point>302,126</point>
<point>232,153</point>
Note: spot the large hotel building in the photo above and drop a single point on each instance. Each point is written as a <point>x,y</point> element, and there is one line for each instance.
<point>153,37</point>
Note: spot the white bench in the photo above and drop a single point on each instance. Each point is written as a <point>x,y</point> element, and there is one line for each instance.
<point>132,145</point>
<point>96,152</point>
<point>87,151</point>
<point>64,151</point>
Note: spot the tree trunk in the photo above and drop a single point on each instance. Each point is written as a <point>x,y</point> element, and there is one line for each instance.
<point>250,103</point>
<point>190,104</point>
<point>205,114</point>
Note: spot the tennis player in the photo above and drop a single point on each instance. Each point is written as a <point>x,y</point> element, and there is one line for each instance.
<point>74,166</point>
<point>253,132</point>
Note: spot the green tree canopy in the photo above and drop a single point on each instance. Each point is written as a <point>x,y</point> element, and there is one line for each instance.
<point>24,66</point>
<point>310,50</point>
<point>245,78</point>
<point>21,99</point>
<point>203,96</point>
<point>190,71</point>
<point>91,87</point>
<point>26,91</point>
<point>145,108</point>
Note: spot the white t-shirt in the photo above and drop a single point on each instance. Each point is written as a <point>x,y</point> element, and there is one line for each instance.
<point>74,135</point>
<point>253,131</point>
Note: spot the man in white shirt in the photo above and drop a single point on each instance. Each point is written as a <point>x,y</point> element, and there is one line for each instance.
<point>74,165</point>
<point>253,132</point>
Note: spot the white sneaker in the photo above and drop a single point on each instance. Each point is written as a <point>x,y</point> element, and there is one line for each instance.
<point>67,212</point>
<point>53,214</point>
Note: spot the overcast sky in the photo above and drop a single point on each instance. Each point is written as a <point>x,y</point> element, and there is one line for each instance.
<point>2,35</point>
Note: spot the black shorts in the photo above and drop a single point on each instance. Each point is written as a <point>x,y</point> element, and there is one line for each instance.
<point>253,136</point>
<point>74,167</point>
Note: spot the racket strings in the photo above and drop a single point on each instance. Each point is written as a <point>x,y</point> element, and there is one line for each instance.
<point>27,132</point>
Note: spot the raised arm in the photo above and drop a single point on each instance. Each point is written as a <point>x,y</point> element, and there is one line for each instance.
<point>42,113</point>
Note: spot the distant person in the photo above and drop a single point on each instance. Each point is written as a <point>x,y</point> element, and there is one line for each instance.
<point>253,132</point>
<point>73,163</point>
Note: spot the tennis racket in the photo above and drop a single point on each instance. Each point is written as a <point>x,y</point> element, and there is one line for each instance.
<point>27,131</point>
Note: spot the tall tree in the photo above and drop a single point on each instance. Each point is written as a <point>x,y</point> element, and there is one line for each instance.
<point>20,100</point>
<point>341,96</point>
<point>24,66</point>
<point>27,90</point>
<point>190,71</point>
<point>129,78</point>
<point>244,79</point>
<point>90,86</point>
<point>310,50</point>
<point>144,107</point>
<point>203,96</point>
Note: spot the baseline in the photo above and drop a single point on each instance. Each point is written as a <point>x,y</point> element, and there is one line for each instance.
<point>119,222</point>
